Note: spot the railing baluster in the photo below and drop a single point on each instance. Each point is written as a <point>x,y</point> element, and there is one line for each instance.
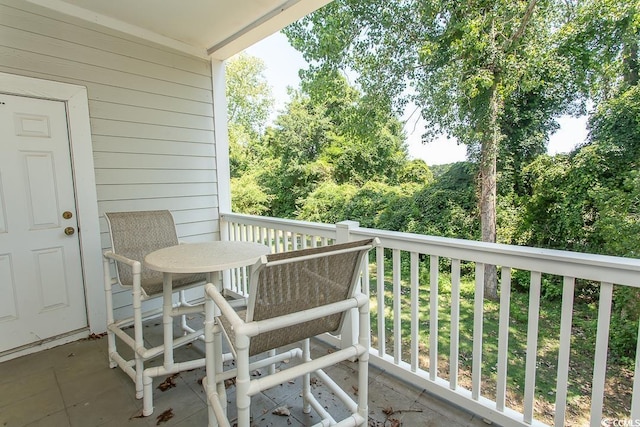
<point>566,319</point>
<point>366,279</point>
<point>285,241</point>
<point>397,299</point>
<point>532,346</point>
<point>278,240</point>
<point>381,319</point>
<point>600,358</point>
<point>503,338</point>
<point>237,230</point>
<point>237,283</point>
<point>415,318</point>
<point>433,318</point>
<point>537,261</point>
<point>454,354</point>
<point>478,314</point>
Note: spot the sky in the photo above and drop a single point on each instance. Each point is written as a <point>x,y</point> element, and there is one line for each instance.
<point>282,63</point>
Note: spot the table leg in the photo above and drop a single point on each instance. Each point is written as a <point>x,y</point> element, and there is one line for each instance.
<point>167,319</point>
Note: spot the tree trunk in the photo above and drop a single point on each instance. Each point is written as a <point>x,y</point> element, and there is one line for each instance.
<point>488,178</point>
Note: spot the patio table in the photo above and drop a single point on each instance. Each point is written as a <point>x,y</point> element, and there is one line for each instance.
<point>207,257</point>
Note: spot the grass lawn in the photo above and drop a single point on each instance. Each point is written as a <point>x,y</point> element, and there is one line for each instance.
<point>617,402</point>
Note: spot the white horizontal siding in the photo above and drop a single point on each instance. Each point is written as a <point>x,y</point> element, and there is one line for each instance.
<point>105,160</point>
<point>147,115</point>
<point>150,108</point>
<point>156,176</point>
<point>109,143</point>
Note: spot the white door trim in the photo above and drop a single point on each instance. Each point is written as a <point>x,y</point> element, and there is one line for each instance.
<point>77,103</point>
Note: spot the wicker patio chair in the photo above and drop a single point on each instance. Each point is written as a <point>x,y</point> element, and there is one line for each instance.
<point>293,296</point>
<point>134,235</point>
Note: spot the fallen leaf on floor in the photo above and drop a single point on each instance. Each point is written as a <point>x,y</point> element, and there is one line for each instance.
<point>230,382</point>
<point>164,417</point>
<point>282,410</point>
<point>71,354</point>
<point>168,383</point>
<point>388,411</point>
<point>93,336</point>
<point>355,389</point>
<point>394,423</point>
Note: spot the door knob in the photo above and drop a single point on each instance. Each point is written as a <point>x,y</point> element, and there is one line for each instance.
<point>69,231</point>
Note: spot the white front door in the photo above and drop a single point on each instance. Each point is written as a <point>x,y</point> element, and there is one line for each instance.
<point>41,285</point>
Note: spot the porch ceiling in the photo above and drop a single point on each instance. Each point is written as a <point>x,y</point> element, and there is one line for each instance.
<point>220,28</point>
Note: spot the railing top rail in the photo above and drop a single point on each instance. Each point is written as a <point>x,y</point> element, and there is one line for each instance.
<point>315,228</point>
<point>602,268</point>
<point>579,265</point>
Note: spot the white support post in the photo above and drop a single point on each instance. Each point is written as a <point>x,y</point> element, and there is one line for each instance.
<point>221,147</point>
<point>349,333</point>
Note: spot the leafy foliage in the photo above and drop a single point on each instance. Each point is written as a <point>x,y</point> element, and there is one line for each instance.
<point>493,74</point>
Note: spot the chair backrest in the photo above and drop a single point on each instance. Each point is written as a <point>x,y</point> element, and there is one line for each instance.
<point>289,282</point>
<point>136,234</point>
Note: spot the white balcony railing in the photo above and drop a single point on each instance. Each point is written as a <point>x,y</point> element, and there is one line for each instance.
<point>399,301</point>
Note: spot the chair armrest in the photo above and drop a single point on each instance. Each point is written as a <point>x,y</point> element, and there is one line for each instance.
<point>261,326</point>
<point>224,306</point>
<point>120,258</point>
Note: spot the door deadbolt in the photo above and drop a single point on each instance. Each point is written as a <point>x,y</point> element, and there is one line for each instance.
<point>69,231</point>
<point>67,215</point>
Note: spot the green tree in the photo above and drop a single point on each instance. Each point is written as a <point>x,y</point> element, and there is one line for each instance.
<point>249,103</point>
<point>327,203</point>
<point>459,62</point>
<point>249,197</point>
<point>249,99</point>
<point>371,143</point>
<point>600,41</point>
<point>335,137</point>
<point>293,147</point>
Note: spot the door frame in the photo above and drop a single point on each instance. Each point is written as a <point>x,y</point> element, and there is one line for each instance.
<point>76,100</point>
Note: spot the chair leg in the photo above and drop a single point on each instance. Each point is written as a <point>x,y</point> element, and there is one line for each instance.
<point>138,337</point>
<point>306,378</point>
<point>108,297</point>
<point>243,400</point>
<point>363,362</point>
<point>272,367</point>
<point>218,367</point>
<point>213,355</point>
<point>147,395</point>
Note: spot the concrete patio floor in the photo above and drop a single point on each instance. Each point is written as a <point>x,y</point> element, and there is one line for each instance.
<point>72,385</point>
